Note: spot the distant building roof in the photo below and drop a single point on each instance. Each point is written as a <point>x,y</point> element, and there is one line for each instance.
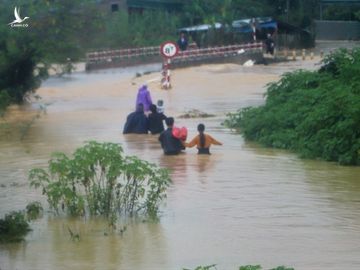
<point>245,25</point>
<point>202,27</point>
<point>240,26</point>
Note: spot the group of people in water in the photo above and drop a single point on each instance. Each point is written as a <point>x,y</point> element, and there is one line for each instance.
<point>149,117</point>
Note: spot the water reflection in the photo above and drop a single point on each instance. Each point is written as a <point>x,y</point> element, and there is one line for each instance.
<point>204,163</point>
<point>141,246</point>
<point>178,166</point>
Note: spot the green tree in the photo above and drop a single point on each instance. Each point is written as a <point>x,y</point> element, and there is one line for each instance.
<point>57,30</point>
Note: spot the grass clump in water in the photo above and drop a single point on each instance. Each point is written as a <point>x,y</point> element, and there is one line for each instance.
<point>207,267</point>
<point>195,114</point>
<point>314,113</point>
<point>244,267</point>
<point>13,227</point>
<point>34,210</point>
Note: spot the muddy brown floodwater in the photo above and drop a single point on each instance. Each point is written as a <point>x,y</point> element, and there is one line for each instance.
<point>244,204</point>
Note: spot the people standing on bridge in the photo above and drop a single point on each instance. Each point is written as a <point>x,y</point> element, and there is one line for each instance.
<point>136,122</point>
<point>183,42</point>
<point>144,97</point>
<point>270,44</point>
<point>170,144</point>
<point>202,141</point>
<point>156,125</point>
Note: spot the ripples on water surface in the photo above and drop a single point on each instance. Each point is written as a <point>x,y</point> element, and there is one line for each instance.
<point>242,205</point>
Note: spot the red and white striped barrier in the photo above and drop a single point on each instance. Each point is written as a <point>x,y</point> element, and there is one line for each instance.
<point>165,80</point>
<point>218,51</point>
<point>192,53</point>
<point>110,55</point>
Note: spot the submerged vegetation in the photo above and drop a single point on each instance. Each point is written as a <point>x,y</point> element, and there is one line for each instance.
<point>34,210</point>
<point>99,180</point>
<point>13,227</point>
<point>244,267</point>
<point>195,114</point>
<point>314,113</point>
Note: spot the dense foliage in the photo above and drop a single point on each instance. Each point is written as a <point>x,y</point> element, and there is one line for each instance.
<point>13,227</point>
<point>300,12</point>
<point>314,113</point>
<point>149,28</point>
<point>100,180</point>
<point>55,32</point>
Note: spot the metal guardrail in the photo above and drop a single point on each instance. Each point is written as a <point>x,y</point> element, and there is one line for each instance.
<point>111,55</point>
<point>220,51</point>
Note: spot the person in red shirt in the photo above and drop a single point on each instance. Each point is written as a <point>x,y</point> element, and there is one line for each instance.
<point>202,141</point>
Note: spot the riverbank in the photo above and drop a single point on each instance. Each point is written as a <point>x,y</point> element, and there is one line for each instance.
<point>314,114</point>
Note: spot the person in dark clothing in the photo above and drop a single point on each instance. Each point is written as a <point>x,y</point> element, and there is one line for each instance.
<point>270,44</point>
<point>182,42</point>
<point>136,122</point>
<point>170,144</point>
<point>155,119</point>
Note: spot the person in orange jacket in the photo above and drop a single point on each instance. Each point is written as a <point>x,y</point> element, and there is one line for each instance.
<point>202,141</point>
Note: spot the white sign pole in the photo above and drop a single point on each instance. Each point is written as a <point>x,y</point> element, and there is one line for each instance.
<point>168,50</point>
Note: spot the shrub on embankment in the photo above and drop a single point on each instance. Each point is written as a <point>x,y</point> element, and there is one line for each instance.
<point>314,113</point>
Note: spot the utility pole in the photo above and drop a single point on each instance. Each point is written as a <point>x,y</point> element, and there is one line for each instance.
<point>321,11</point>
<point>287,10</point>
<point>287,21</point>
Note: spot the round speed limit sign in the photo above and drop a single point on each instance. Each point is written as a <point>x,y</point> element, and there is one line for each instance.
<point>169,49</point>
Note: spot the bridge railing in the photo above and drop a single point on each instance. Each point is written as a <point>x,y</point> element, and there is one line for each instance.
<point>220,51</point>
<point>135,53</point>
<point>109,55</point>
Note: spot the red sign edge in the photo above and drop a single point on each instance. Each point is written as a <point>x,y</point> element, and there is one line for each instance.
<point>166,42</point>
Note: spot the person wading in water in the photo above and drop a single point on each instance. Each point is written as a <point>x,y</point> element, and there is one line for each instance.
<point>202,141</point>
<point>144,97</point>
<point>170,144</point>
<point>155,120</point>
<point>136,122</point>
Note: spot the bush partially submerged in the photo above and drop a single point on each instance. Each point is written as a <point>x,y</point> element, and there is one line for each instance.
<point>100,180</point>
<point>13,227</point>
<point>195,114</point>
<point>314,113</point>
<point>34,210</point>
<point>244,267</point>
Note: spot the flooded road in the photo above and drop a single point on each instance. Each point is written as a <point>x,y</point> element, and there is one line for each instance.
<point>244,204</point>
